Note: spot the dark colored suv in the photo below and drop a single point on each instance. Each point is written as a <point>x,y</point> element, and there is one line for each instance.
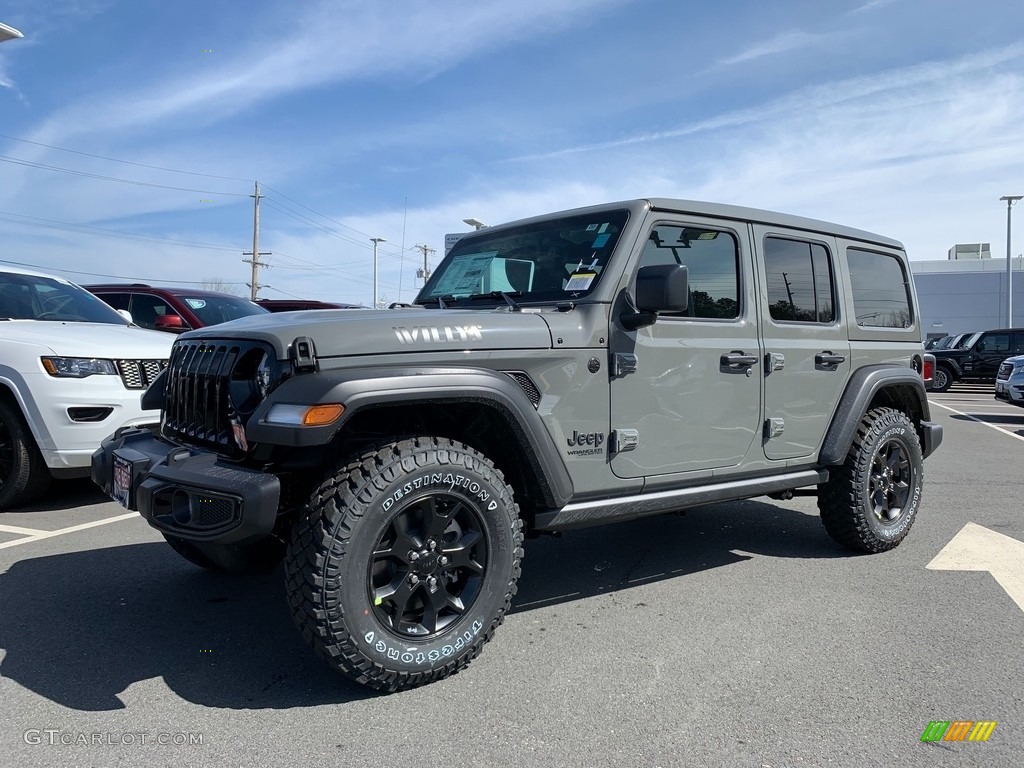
<point>291,305</point>
<point>977,359</point>
<point>174,309</point>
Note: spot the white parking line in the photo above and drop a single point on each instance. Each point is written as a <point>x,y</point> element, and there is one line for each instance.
<point>972,418</point>
<point>40,535</point>
<point>22,531</point>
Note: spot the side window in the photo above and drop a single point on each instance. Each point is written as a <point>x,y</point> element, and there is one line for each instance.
<point>711,257</point>
<point>116,300</point>
<point>800,286</point>
<point>994,342</point>
<point>1018,343</point>
<point>146,309</point>
<point>881,293</point>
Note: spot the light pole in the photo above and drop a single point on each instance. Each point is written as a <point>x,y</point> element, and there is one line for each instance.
<point>475,223</point>
<point>376,241</point>
<point>1010,200</point>
<point>8,33</point>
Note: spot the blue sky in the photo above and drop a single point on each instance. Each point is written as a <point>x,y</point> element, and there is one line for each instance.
<point>400,119</point>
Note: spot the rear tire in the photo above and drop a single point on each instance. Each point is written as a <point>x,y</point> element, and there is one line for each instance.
<point>870,502</point>
<point>24,476</point>
<point>405,562</point>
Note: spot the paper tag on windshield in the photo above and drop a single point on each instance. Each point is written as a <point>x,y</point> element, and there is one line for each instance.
<point>580,281</point>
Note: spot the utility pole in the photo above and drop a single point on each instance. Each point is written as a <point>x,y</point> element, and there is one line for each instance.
<point>789,290</point>
<point>425,272</point>
<point>255,286</point>
<point>1010,200</point>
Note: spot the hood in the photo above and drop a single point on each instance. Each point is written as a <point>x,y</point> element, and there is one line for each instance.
<point>341,332</point>
<point>948,354</point>
<point>103,340</point>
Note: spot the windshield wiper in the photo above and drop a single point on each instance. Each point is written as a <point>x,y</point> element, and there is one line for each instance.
<point>506,295</point>
<point>442,301</point>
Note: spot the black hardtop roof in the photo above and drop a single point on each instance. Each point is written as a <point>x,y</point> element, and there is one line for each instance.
<point>721,211</point>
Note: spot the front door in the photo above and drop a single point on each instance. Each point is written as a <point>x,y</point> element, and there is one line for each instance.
<point>689,386</point>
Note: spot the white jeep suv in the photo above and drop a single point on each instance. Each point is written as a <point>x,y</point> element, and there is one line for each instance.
<point>72,370</point>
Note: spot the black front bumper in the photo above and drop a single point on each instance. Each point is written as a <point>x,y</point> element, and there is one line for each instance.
<point>189,493</point>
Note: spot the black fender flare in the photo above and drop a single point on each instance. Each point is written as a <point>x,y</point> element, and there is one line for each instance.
<point>862,388</point>
<point>361,388</point>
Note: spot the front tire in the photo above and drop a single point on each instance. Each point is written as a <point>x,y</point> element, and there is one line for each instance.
<point>24,476</point>
<point>405,562</point>
<point>870,502</point>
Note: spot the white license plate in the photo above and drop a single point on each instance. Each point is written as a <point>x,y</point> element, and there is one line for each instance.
<point>121,485</point>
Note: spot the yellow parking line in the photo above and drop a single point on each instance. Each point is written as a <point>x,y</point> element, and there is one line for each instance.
<point>40,535</point>
<point>973,418</point>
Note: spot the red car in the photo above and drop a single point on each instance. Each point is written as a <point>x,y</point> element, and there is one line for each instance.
<point>291,305</point>
<point>174,309</point>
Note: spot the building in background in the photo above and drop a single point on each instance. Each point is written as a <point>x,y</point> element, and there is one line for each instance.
<point>964,293</point>
<point>970,251</point>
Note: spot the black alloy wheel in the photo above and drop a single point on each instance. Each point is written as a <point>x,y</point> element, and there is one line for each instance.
<point>427,568</point>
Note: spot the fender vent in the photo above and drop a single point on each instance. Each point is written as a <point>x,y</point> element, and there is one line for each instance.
<point>526,384</point>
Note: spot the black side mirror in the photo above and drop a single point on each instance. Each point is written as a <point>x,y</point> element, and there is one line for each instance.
<point>660,288</point>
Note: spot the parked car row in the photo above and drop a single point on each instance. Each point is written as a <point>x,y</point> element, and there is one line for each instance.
<point>975,357</point>
<point>72,371</point>
<point>75,362</point>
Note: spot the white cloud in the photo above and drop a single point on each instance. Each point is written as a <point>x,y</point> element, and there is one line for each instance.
<point>782,42</point>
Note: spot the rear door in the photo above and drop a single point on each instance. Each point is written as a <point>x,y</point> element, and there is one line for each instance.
<point>807,349</point>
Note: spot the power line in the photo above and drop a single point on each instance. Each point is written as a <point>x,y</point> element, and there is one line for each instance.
<point>34,221</point>
<point>100,274</point>
<point>85,174</point>
<point>335,221</point>
<point>125,162</point>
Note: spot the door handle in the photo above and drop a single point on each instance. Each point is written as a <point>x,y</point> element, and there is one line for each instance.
<point>738,360</point>
<point>827,358</point>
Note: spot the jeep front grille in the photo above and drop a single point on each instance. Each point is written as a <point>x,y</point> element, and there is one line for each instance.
<point>139,374</point>
<point>212,391</point>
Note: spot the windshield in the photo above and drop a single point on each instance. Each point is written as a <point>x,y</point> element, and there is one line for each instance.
<point>32,297</point>
<point>968,342</point>
<point>553,260</point>
<point>212,310</point>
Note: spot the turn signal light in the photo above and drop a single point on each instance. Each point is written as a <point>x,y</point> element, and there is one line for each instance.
<point>319,415</point>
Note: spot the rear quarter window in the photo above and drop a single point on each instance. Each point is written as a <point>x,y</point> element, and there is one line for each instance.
<point>880,288</point>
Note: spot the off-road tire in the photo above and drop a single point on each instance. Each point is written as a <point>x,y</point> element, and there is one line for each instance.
<point>354,531</point>
<point>857,499</point>
<point>942,379</point>
<point>24,476</point>
<point>259,557</point>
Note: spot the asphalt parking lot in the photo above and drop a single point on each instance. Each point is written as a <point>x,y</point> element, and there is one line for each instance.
<point>734,635</point>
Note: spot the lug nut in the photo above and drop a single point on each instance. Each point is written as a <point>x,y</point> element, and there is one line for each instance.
<point>432,582</point>
<point>431,545</point>
<point>443,560</point>
<point>414,579</point>
<point>413,556</point>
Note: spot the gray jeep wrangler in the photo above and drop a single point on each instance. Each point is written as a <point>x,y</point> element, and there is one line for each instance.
<point>584,367</point>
